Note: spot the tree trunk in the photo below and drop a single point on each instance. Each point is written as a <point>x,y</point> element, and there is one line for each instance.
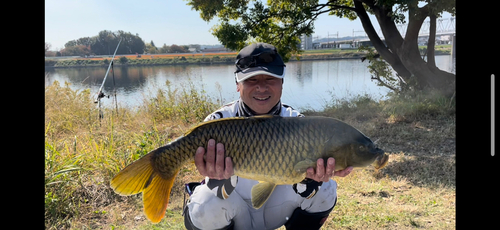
<point>431,60</point>
<point>403,54</point>
<point>410,56</point>
<point>387,54</point>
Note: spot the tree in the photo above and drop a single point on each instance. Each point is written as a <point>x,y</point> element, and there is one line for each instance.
<point>70,43</point>
<point>77,50</point>
<point>177,49</point>
<point>150,49</point>
<point>106,42</point>
<point>47,46</point>
<point>281,22</point>
<point>164,49</point>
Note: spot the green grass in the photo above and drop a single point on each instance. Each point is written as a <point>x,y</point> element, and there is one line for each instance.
<point>415,190</point>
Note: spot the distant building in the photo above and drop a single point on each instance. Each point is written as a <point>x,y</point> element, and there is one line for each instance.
<point>215,50</point>
<point>306,42</point>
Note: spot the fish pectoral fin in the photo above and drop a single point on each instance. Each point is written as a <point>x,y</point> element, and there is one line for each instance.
<point>302,166</point>
<point>261,192</point>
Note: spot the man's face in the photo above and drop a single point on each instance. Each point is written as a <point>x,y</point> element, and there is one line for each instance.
<point>260,92</point>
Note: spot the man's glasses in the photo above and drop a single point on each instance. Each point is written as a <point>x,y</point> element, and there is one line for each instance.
<point>255,60</point>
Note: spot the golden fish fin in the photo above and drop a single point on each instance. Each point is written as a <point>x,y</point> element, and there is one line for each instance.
<point>265,116</point>
<point>156,195</point>
<point>133,178</point>
<point>261,192</point>
<point>140,177</point>
<point>302,166</point>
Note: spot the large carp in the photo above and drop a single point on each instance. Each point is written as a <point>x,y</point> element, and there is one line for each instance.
<point>271,149</point>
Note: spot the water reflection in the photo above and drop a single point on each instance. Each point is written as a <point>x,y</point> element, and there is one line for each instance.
<point>308,84</point>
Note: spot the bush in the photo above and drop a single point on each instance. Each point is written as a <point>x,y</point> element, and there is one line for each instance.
<point>216,59</point>
<point>123,60</point>
<point>186,104</point>
<point>419,104</point>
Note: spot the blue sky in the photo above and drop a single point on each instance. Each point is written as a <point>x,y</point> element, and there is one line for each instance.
<point>163,21</point>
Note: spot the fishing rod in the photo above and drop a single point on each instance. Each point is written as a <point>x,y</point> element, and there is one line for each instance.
<point>100,94</point>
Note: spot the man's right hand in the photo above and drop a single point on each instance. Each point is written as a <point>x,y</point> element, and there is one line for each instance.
<point>212,163</point>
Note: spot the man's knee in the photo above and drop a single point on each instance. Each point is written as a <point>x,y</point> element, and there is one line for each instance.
<point>327,192</point>
<point>313,212</point>
<point>323,199</point>
<point>188,223</point>
<point>206,211</point>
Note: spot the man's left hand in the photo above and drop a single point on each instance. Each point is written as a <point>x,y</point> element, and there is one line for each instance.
<point>323,174</point>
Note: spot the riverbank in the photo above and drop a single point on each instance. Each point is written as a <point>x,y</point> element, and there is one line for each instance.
<point>415,190</point>
<point>204,58</point>
<point>184,59</point>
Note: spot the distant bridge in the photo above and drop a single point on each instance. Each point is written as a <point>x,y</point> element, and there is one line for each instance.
<point>445,30</point>
<point>443,26</point>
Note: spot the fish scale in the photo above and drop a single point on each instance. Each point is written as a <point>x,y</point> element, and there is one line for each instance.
<point>271,149</point>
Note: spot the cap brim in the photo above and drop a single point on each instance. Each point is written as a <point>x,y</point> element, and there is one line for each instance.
<point>275,71</point>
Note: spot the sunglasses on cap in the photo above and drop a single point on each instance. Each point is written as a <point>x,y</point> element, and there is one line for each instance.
<point>255,60</point>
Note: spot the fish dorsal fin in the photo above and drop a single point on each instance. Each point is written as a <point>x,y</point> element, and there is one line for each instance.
<point>212,121</point>
<point>228,118</point>
<point>261,192</point>
<point>302,166</point>
<point>265,116</point>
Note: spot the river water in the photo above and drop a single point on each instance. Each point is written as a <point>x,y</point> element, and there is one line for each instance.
<point>308,84</point>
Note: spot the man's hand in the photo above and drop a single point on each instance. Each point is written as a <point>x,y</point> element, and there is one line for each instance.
<point>323,174</point>
<point>215,165</point>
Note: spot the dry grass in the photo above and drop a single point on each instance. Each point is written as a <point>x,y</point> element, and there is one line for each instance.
<point>415,190</point>
<point>417,187</point>
<point>83,153</point>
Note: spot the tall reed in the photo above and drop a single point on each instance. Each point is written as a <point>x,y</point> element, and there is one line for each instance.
<point>82,153</point>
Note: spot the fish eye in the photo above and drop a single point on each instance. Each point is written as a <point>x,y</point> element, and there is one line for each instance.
<point>362,148</point>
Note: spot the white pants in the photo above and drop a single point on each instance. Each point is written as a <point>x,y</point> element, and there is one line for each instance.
<point>207,211</point>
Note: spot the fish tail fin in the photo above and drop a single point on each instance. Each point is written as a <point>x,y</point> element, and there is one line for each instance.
<point>141,177</point>
<point>156,196</point>
<point>134,178</point>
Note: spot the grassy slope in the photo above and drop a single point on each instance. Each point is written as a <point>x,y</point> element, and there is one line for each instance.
<point>415,190</point>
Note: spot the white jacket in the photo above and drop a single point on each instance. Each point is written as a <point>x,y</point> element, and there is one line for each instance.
<point>238,109</point>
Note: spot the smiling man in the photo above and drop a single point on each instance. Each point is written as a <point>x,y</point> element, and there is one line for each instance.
<point>223,200</point>
<point>259,80</point>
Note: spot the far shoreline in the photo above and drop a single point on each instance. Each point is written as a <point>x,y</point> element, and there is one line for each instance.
<point>197,59</point>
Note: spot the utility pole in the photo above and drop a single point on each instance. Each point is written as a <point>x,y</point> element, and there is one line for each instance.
<point>328,40</point>
<point>353,35</point>
<point>335,43</point>
<point>316,38</point>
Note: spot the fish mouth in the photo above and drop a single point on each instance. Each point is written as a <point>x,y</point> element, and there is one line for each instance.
<point>381,161</point>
